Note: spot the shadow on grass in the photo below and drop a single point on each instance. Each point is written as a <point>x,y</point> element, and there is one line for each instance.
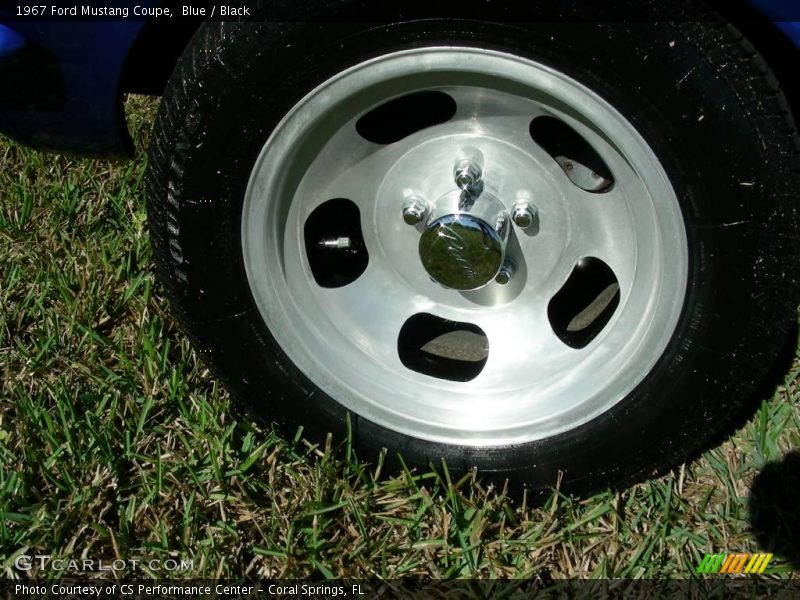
<point>775,508</point>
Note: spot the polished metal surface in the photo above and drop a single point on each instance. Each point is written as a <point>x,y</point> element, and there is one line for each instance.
<point>467,175</point>
<point>464,242</point>
<point>461,251</point>
<point>523,214</point>
<point>345,339</point>
<point>506,273</point>
<point>415,210</point>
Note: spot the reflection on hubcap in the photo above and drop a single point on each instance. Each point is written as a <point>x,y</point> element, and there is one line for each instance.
<point>463,245</point>
<point>461,251</point>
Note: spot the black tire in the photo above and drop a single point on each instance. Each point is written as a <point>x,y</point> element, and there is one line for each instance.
<point>235,82</point>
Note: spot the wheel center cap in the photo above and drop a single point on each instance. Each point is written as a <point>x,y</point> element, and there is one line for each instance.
<point>461,251</point>
<point>463,244</point>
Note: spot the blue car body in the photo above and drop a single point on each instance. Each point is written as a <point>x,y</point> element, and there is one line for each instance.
<point>783,14</point>
<point>62,82</point>
<point>85,115</point>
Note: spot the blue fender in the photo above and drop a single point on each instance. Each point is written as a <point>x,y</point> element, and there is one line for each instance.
<point>60,84</point>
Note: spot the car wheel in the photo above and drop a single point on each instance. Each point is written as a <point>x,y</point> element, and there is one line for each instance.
<point>531,249</point>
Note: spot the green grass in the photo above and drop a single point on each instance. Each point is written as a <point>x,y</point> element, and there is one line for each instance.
<point>115,442</point>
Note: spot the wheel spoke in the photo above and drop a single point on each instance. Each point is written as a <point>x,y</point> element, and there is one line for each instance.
<point>348,167</point>
<point>370,311</point>
<point>602,228</point>
<point>477,104</point>
<point>520,340</point>
<point>516,131</point>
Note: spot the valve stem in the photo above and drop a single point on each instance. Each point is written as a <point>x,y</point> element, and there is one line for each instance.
<point>339,243</point>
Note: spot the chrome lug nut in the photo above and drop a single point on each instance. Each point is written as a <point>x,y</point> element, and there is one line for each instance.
<point>524,214</point>
<point>505,274</point>
<point>467,174</point>
<point>415,210</point>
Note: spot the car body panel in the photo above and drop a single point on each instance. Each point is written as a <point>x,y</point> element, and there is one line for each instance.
<point>784,14</point>
<point>85,117</point>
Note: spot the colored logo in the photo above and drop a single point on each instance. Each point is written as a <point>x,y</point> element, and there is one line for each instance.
<point>731,564</point>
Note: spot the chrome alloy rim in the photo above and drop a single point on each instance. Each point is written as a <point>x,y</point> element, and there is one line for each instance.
<point>344,338</point>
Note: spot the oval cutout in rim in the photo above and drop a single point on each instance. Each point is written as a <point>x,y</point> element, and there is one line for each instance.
<point>585,303</point>
<point>441,348</point>
<point>579,161</point>
<point>398,118</point>
<point>334,243</point>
